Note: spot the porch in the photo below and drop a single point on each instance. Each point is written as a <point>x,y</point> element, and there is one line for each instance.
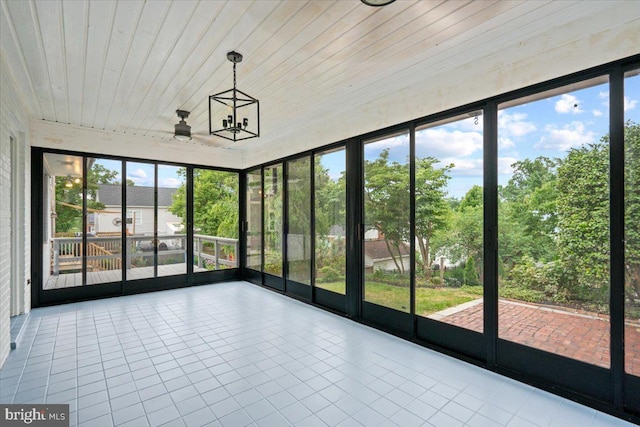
<point>70,280</point>
<point>104,258</point>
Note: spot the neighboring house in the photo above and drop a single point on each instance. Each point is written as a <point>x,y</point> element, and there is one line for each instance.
<point>139,215</point>
<point>377,256</point>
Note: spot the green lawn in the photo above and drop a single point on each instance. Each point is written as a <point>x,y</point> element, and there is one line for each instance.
<point>428,300</point>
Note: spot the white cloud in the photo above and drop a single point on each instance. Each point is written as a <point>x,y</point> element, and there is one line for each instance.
<point>140,177</point>
<point>604,96</point>
<point>463,167</point>
<point>597,113</point>
<point>396,141</point>
<point>440,142</point>
<point>513,125</point>
<point>138,173</point>
<point>170,183</point>
<point>505,143</point>
<point>570,135</point>
<point>504,165</point>
<point>468,124</point>
<point>630,104</point>
<point>568,104</point>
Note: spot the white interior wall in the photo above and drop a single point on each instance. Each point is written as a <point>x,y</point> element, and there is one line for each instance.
<point>75,138</point>
<point>13,123</point>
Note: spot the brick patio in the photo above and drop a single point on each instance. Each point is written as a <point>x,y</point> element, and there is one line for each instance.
<point>579,336</point>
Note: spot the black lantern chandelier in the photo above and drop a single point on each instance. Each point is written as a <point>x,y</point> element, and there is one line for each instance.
<point>233,114</point>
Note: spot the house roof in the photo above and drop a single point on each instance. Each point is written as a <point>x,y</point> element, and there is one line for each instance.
<point>377,249</point>
<point>111,195</point>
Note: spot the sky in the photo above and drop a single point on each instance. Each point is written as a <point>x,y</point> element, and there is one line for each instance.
<point>142,174</point>
<point>547,127</point>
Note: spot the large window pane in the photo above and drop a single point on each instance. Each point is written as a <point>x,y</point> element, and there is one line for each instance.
<point>140,220</point>
<point>63,250</point>
<point>273,220</point>
<point>254,219</point>
<point>299,227</point>
<point>632,222</point>
<point>554,222</point>
<point>330,220</point>
<point>449,221</point>
<point>104,221</point>
<point>387,222</point>
<point>215,219</point>
<point>171,232</point>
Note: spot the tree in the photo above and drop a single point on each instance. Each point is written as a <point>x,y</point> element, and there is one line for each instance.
<point>632,209</point>
<point>215,202</point>
<point>330,210</point>
<point>470,273</point>
<point>387,200</point>
<point>583,220</point>
<point>472,199</point>
<point>433,213</point>
<point>330,199</point>
<point>69,192</point>
<point>528,211</point>
<point>467,234</point>
<point>387,204</point>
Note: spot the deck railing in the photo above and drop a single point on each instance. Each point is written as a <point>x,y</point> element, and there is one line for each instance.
<point>105,252</point>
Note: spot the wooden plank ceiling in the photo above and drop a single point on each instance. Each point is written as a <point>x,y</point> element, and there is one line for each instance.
<point>125,66</point>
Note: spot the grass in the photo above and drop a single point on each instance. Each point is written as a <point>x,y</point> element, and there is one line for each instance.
<point>428,300</point>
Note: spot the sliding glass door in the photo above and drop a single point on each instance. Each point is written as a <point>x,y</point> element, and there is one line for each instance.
<point>298,236</point>
<point>386,235</point>
<point>215,220</point>
<point>108,226</point>
<point>82,225</point>
<point>330,228</point>
<point>632,236</point>
<point>272,226</point>
<point>64,225</point>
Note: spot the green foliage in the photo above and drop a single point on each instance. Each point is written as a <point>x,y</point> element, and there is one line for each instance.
<point>387,199</point>
<point>454,277</point>
<point>330,199</point>
<point>632,216</point>
<point>522,294</point>
<point>392,278</point>
<point>471,276</point>
<point>299,202</point>
<point>433,212</point>
<point>472,199</point>
<point>528,211</point>
<point>329,274</point>
<point>387,203</point>
<point>583,215</point>
<point>69,214</point>
<point>542,279</point>
<point>215,202</point>
<point>554,227</point>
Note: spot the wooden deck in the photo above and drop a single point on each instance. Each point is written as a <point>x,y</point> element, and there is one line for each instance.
<point>71,280</point>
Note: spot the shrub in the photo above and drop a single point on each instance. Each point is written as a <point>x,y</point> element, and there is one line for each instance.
<point>328,274</point>
<point>452,282</point>
<point>542,277</point>
<point>471,276</point>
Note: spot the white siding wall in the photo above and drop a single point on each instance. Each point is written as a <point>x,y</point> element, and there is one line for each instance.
<point>13,123</point>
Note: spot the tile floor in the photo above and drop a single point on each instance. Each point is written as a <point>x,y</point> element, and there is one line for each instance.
<point>234,354</point>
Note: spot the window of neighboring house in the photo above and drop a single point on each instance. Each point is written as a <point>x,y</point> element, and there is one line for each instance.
<point>134,215</point>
